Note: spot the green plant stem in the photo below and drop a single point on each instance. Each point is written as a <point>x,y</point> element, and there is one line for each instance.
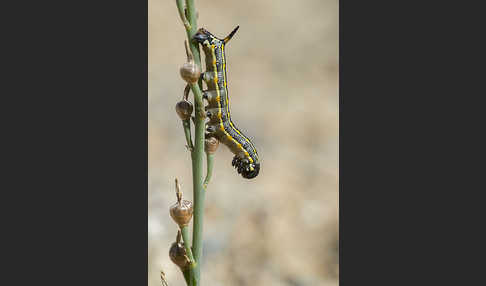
<point>187,245</point>
<point>187,276</point>
<point>187,242</point>
<point>209,169</point>
<point>190,23</point>
<point>197,153</point>
<point>187,132</point>
<point>198,195</point>
<point>198,149</point>
<point>191,13</point>
<point>180,8</point>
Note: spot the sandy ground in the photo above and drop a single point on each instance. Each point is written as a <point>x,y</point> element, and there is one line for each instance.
<point>280,228</point>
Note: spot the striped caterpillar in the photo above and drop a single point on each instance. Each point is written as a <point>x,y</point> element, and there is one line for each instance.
<point>220,124</point>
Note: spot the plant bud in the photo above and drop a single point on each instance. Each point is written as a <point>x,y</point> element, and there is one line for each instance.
<point>184,109</point>
<point>190,72</point>
<point>211,145</point>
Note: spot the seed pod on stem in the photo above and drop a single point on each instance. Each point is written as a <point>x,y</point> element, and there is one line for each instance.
<point>177,253</point>
<point>190,71</point>
<point>211,145</point>
<point>181,211</point>
<point>184,109</point>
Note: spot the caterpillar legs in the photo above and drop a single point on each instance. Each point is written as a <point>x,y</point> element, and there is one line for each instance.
<point>210,96</point>
<point>207,76</point>
<point>210,129</point>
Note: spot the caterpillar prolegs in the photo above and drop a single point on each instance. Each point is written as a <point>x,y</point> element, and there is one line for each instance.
<point>220,125</point>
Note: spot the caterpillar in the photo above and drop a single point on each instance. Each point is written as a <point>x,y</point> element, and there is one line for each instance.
<point>220,125</point>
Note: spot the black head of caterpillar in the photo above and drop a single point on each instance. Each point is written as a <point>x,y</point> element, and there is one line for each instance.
<point>243,167</point>
<point>204,35</point>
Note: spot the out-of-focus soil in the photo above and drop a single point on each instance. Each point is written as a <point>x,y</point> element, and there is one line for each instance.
<point>280,228</point>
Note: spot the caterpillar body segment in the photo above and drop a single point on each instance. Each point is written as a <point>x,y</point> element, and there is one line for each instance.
<point>220,124</point>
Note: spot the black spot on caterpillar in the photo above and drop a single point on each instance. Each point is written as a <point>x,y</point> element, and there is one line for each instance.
<point>220,125</point>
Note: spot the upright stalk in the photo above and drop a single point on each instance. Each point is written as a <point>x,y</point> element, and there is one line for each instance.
<point>189,19</point>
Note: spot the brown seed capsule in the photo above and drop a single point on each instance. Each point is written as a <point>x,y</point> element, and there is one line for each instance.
<point>184,109</point>
<point>190,72</point>
<point>181,211</point>
<point>211,145</point>
<point>177,253</point>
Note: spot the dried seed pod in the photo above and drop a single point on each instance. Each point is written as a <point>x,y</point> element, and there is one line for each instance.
<point>184,109</point>
<point>177,253</point>
<point>181,211</point>
<point>190,71</point>
<point>211,145</point>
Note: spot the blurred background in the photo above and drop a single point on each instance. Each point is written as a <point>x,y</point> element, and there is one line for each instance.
<point>280,228</point>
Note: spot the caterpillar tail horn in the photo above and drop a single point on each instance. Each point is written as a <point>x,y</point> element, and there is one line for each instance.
<point>226,40</point>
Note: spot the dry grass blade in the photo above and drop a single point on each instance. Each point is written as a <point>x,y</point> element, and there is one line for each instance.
<point>162,278</point>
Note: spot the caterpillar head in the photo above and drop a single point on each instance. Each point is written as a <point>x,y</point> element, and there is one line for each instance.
<point>205,38</point>
<point>245,168</point>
